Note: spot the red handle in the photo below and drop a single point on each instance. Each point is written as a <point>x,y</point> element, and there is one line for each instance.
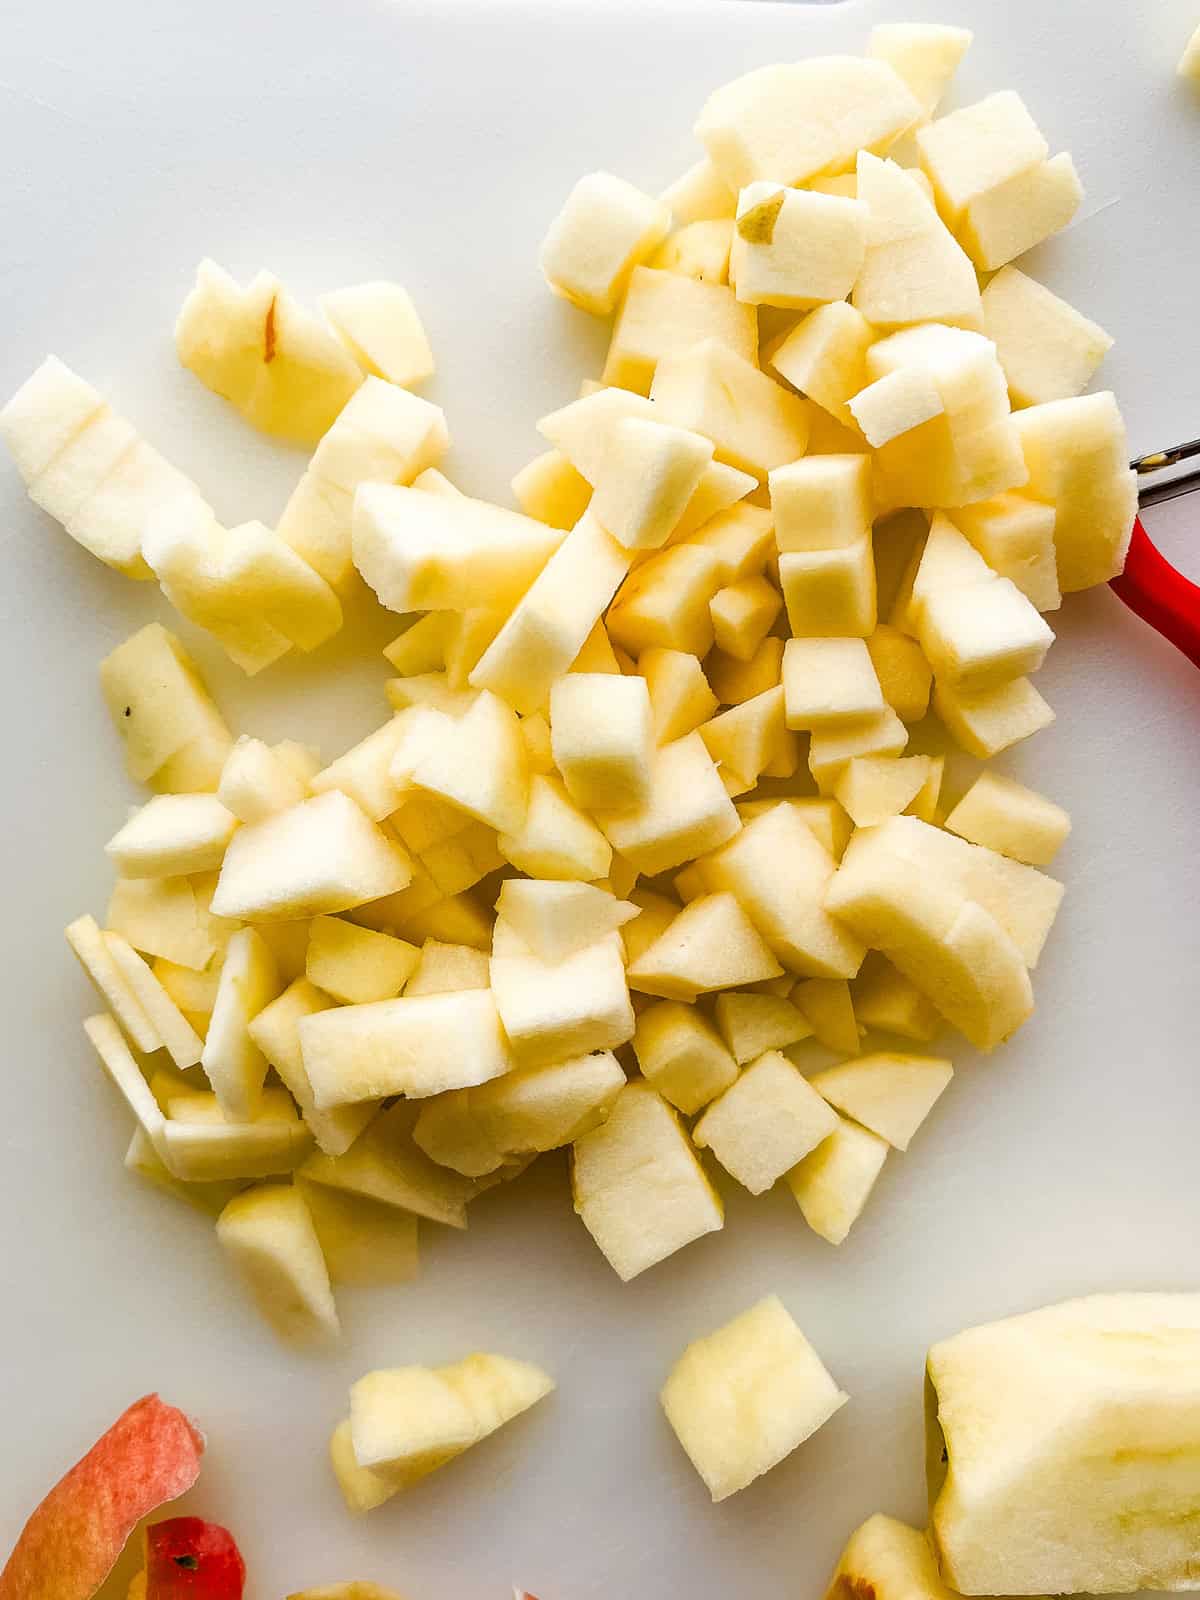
<point>1160,595</point>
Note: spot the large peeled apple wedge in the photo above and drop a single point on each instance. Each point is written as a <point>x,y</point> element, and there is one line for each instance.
<point>1064,1448</point>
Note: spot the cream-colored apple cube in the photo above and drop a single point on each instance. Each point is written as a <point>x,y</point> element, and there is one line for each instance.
<point>386,1166</point>
<point>316,523</point>
<point>550,490</point>
<point>904,675</point>
<point>383,435</point>
<point>665,602</point>
<point>173,834</point>
<point>180,1040</point>
<point>680,698</point>
<point>50,409</point>
<point>925,54</point>
<point>258,347</point>
<point>885,999</point>
<point>269,1235</point>
<point>681,1055</point>
<point>978,635</point>
<point>976,149</point>
<point>890,1093</point>
<point>686,814</point>
<point>1077,454</point>
<point>711,945</point>
<point>765,1123</point>
<point>603,231</point>
<point>698,250</point>
<point>357,965</point>
<point>638,1186</point>
<point>161,709</point>
<point>790,122</point>
<point>834,1183</point>
<point>256,782</point>
<point>828,683</point>
<point>276,1032</point>
<point>1009,818</point>
<point>364,772</point>
<point>551,622</point>
<point>412,1046</point>
<point>162,917</point>
<point>602,735</point>
<point>755,424</point>
<point>364,1243</point>
<point>794,248</point>
<point>646,481</point>
<point>1049,351</point>
<point>556,839</point>
<point>448,969</point>
<point>95,956</point>
<point>557,919</point>
<point>700,194</point>
<point>1015,536</point>
<point>873,788</point>
<point>478,763</point>
<point>111,521</point>
<point>1002,224</point>
<point>991,720</point>
<point>362,1489</point>
<point>895,405</point>
<point>720,488</point>
<point>734,682</point>
<point>914,271</point>
<point>422,552</point>
<point>664,313</point>
<point>822,503</point>
<point>830,592</point>
<point>779,873</point>
<point>554,1010</point>
<point>379,325</point>
<point>321,856</point>
<point>581,430</point>
<point>824,356</point>
<point>234,1064</point>
<point>752,1024</point>
<point>743,614</point>
<point>743,1398</point>
<point>828,1008</point>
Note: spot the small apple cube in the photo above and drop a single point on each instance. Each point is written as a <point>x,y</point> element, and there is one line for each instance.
<point>256,782</point>
<point>550,490</point>
<point>915,271</point>
<point>385,1165</point>
<point>379,325</point>
<point>554,1010</point>
<point>822,503</point>
<point>557,839</point>
<point>829,682</point>
<point>268,1233</point>
<point>873,788</point>
<point>664,313</point>
<point>384,435</point>
<point>832,749</point>
<point>711,945</point>
<point>603,231</point>
<point>49,410</point>
<point>581,431</point>
<point>1015,536</point>
<point>357,965</point>
<point>476,762</point>
<point>681,1055</point>
<point>975,150</point>
<point>755,424</point>
<point>172,835</point>
<point>364,1242</point>
<point>896,404</point>
<point>743,1398</point>
<point>700,195</point>
<point>884,998</point>
<point>827,1007</point>
<point>665,602</point>
<point>1002,224</point>
<point>925,55</point>
<point>791,122</point>
<point>824,356</point>
<point>720,488</point>
<point>680,698</point>
<point>321,856</point>
<point>734,682</point>
<point>161,709</point>
<point>741,537</point>
<point>686,814</point>
<point>905,677</point>
<point>557,919</point>
<point>830,592</point>
<point>602,737</point>
<point>167,917</point>
<point>765,1123</point>
<point>362,1489</point>
<point>697,250</point>
<point>448,969</point>
<point>752,1024</point>
<point>889,1093</point>
<point>638,1186</point>
<point>834,1183</point>
<point>1049,351</point>
<point>794,248</point>
<point>1007,817</point>
<point>276,1032</point>
<point>649,476</point>
<point>987,721</point>
<point>742,616</point>
<point>316,523</point>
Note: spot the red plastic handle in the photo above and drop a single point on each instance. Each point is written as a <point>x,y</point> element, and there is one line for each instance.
<point>1160,595</point>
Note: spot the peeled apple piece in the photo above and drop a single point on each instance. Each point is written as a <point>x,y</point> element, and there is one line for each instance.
<point>1062,1448</point>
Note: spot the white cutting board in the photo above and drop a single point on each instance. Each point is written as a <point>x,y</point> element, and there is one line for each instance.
<point>339,141</point>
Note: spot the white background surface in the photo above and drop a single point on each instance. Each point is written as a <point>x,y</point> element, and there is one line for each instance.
<point>338,141</point>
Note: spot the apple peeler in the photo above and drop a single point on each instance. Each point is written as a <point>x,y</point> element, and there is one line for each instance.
<point>1150,585</point>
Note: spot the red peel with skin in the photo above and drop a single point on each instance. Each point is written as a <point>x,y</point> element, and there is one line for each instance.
<point>190,1559</point>
<point>72,1541</point>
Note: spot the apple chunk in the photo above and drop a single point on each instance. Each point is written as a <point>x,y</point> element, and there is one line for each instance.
<point>268,1232</point>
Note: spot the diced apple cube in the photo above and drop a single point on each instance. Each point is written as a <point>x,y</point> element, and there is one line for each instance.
<point>160,707</point>
<point>988,721</point>
<point>380,327</point>
<point>362,1489</point>
<point>1015,536</point>
<point>601,730</point>
<point>711,945</point>
<point>924,54</point>
<point>915,270</point>
<point>973,151</point>
<point>1013,217</point>
<point>904,675</point>
<point>582,430</point>
<point>448,969</point>
<point>824,356</point>
<point>664,313</point>
<point>1049,351</point>
<point>721,488</point>
<point>889,1093</point>
<point>269,1235</point>
<point>829,682</point>
<point>700,195</point>
<point>161,917</point>
<point>477,762</point>
<point>256,782</point>
<point>384,435</point>
<point>649,475</point>
<point>873,788</point>
<point>742,615</point>
<point>357,965</point>
<point>769,1120</point>
<point>734,682</point>
<point>385,1165</point>
<point>834,1183</point>
<point>681,1055</point>
<point>556,839</point>
<point>791,122</point>
<point>698,250</point>
<point>1009,818</point>
<point>557,919</point>
<point>895,405</point>
<point>754,423</point>
<point>550,490</point>
<point>752,1024</point>
<point>686,814</point>
<point>551,622</point>
<point>554,1010</point>
<point>741,538</point>
<point>363,1242</point>
<point>794,248</point>
<point>830,592</point>
<point>822,503</point>
<point>743,1398</point>
<point>603,231</point>
<point>680,698</point>
<point>638,1186</point>
<point>316,523</point>
<point>276,1032</point>
<point>49,409</point>
<point>828,1009</point>
<point>982,634</point>
<point>173,834</point>
<point>885,999</point>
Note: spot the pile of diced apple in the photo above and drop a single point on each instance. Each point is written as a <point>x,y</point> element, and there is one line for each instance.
<point>659,800</point>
